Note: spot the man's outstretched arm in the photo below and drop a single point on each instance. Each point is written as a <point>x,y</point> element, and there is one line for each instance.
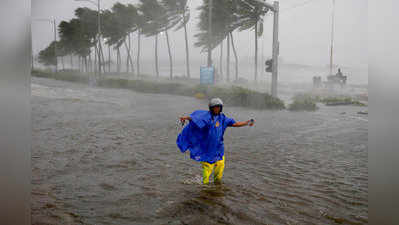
<point>244,123</point>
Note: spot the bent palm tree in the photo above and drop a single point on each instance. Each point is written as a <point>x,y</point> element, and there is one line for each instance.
<point>178,14</point>
<point>250,15</point>
<point>224,21</point>
<point>155,21</point>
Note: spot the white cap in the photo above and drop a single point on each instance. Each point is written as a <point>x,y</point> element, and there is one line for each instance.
<point>215,102</point>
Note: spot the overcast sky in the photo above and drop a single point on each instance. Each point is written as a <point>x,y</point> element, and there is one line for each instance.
<point>305,27</point>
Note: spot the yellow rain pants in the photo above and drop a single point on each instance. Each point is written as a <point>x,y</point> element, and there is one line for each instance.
<point>208,168</point>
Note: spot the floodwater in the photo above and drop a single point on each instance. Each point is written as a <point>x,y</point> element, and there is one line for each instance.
<point>108,156</point>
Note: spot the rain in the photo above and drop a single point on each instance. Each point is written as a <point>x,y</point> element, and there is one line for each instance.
<point>108,89</point>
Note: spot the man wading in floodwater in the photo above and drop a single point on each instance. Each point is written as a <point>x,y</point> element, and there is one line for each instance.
<point>203,137</point>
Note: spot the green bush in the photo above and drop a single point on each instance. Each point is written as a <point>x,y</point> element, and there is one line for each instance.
<point>303,102</point>
<point>238,96</point>
<point>68,76</point>
<point>61,75</point>
<point>345,100</point>
<point>234,96</point>
<point>42,73</point>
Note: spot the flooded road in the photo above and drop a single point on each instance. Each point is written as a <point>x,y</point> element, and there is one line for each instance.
<point>108,156</point>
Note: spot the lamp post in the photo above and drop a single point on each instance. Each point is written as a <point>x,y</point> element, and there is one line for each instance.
<point>98,31</point>
<point>275,9</point>
<point>55,39</point>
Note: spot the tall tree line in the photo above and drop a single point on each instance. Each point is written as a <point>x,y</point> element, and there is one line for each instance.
<point>229,16</point>
<point>152,19</point>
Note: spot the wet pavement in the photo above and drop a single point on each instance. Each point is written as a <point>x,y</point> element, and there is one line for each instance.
<point>108,156</point>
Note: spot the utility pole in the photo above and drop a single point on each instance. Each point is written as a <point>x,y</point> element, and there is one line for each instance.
<point>99,38</point>
<point>210,5</point>
<point>228,59</point>
<point>332,38</point>
<point>276,47</point>
<point>275,9</point>
<point>256,51</point>
<point>55,46</point>
<point>109,58</point>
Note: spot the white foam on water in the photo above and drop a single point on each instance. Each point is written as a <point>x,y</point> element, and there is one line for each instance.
<point>85,94</point>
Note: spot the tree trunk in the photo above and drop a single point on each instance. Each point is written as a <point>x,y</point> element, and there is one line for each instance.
<point>95,67</point>
<point>170,56</point>
<point>71,61</point>
<point>79,64</point>
<point>256,51</point>
<point>86,63</point>
<point>138,52</point>
<point>228,59</point>
<point>103,60</point>
<point>90,63</point>
<point>131,56</point>
<point>62,62</point>
<point>221,60</point>
<point>109,58</point>
<point>127,57</point>
<point>119,60</point>
<point>156,55</point>
<point>235,55</point>
<point>187,52</point>
<point>101,56</point>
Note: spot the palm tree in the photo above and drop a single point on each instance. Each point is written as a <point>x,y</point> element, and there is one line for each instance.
<point>76,38</point>
<point>178,13</point>
<point>113,33</point>
<point>118,25</point>
<point>154,17</point>
<point>224,19</point>
<point>250,15</point>
<point>89,22</point>
<point>235,55</point>
<point>47,55</point>
<point>140,21</point>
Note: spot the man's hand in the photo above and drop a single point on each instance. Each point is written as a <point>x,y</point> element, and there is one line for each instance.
<point>184,118</point>
<point>251,122</point>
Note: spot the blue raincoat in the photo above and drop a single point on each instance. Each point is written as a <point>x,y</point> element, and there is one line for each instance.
<point>203,136</point>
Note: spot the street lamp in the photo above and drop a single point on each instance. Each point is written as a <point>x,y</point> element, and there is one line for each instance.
<point>98,30</point>
<point>55,39</point>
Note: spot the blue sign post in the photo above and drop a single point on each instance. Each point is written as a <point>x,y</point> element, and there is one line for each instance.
<point>207,75</point>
